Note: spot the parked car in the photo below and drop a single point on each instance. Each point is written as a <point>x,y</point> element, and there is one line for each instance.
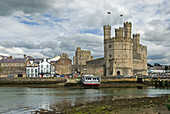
<point>66,75</point>
<point>118,76</point>
<point>70,75</point>
<point>62,76</point>
<point>57,75</point>
<point>127,76</point>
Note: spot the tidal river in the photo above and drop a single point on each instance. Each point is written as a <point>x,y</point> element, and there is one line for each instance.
<point>25,100</point>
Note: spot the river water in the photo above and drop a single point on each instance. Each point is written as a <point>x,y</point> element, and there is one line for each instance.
<point>25,100</point>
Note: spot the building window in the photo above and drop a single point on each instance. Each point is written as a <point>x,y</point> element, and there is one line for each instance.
<point>47,66</point>
<point>41,66</point>
<point>35,72</point>
<point>32,72</point>
<point>28,72</point>
<point>110,46</point>
<point>110,55</point>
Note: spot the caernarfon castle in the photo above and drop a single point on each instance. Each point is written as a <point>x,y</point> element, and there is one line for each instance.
<point>123,55</point>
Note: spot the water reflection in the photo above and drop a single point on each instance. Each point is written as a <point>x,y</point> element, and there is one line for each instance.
<point>24,100</point>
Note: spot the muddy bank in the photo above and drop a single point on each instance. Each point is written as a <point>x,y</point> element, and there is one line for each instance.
<point>109,105</point>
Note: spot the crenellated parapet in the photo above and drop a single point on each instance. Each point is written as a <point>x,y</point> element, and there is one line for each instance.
<point>119,33</point>
<point>136,38</point>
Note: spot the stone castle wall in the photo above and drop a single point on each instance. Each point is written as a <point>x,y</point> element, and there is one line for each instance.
<point>94,69</point>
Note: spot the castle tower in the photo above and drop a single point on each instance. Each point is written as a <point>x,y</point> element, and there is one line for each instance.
<point>136,43</point>
<point>127,29</point>
<point>81,56</point>
<point>107,32</point>
<point>108,49</point>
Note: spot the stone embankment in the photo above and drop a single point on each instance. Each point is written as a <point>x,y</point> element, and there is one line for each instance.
<point>70,82</point>
<point>30,82</point>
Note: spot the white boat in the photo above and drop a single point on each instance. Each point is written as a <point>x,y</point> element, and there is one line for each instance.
<point>91,80</point>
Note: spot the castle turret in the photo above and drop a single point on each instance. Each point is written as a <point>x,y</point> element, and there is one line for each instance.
<point>136,43</point>
<point>107,32</point>
<point>119,32</point>
<point>78,48</point>
<point>127,29</point>
<point>136,38</point>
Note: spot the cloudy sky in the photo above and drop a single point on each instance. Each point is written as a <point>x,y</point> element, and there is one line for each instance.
<point>44,28</point>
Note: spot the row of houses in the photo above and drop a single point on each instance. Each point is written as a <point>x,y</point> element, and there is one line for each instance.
<point>34,67</point>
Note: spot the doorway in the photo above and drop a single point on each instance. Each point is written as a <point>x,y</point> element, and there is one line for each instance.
<point>118,72</point>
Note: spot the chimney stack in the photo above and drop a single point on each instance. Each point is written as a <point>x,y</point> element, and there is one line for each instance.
<point>24,55</point>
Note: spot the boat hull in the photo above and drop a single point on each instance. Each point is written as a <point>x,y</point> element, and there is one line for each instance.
<point>86,83</point>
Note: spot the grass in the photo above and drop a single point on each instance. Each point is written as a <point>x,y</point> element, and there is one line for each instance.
<point>167,103</point>
<point>92,110</point>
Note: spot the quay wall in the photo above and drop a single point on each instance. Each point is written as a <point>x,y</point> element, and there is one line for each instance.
<point>32,80</point>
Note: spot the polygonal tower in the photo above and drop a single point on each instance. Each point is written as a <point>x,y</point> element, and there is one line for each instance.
<point>108,51</point>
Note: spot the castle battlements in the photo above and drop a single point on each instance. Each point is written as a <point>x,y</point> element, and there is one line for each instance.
<point>120,50</point>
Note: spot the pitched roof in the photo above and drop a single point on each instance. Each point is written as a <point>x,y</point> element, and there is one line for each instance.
<point>29,57</point>
<point>4,56</point>
<point>15,60</point>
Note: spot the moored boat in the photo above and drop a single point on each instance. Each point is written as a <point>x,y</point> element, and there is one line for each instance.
<point>91,80</point>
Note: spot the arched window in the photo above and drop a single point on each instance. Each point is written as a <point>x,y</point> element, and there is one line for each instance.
<point>110,55</point>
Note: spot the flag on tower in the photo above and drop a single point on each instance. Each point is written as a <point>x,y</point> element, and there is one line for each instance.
<point>121,15</point>
<point>108,12</point>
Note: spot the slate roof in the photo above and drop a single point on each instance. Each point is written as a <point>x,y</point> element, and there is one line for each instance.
<point>16,60</point>
<point>4,56</point>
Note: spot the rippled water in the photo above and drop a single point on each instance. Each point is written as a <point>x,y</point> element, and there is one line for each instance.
<point>24,100</point>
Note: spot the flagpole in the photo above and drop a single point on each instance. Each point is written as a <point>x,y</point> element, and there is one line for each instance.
<point>109,13</point>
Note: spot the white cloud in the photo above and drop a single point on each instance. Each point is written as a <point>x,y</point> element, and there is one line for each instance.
<point>11,51</point>
<point>56,26</point>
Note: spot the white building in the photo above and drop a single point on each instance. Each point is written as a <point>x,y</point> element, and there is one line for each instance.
<point>32,71</point>
<point>44,68</point>
<point>40,68</point>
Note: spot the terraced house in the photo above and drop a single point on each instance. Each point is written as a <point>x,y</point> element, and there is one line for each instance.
<point>13,67</point>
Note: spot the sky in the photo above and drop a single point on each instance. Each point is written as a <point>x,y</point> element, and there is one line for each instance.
<point>45,28</point>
